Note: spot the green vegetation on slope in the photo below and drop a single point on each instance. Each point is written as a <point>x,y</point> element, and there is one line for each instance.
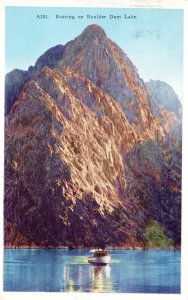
<point>155,236</point>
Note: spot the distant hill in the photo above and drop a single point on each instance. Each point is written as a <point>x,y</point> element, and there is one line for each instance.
<point>165,96</point>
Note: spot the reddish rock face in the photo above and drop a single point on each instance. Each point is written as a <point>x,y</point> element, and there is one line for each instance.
<point>87,162</point>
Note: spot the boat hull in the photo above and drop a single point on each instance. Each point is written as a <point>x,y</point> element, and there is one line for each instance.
<point>102,260</point>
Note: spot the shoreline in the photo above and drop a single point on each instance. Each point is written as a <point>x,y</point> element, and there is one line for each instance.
<point>89,248</point>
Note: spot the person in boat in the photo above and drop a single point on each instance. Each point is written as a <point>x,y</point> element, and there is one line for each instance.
<point>100,253</point>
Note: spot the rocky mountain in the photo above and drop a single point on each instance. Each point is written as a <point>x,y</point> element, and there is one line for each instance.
<point>15,80</point>
<point>91,159</point>
<point>165,96</point>
<point>13,85</point>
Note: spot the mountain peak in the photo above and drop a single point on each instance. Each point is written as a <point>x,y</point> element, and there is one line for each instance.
<point>93,30</point>
<point>94,27</point>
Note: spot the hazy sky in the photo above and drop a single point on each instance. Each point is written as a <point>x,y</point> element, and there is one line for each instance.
<point>153,40</point>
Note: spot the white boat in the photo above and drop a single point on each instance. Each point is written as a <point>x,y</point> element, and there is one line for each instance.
<point>99,257</point>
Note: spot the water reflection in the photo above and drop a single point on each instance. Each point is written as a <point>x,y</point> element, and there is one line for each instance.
<point>100,279</point>
<point>87,278</point>
<point>68,271</point>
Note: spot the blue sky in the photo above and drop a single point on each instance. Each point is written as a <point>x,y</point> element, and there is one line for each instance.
<point>153,41</point>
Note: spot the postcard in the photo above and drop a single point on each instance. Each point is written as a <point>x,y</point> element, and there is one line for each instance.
<point>93,163</point>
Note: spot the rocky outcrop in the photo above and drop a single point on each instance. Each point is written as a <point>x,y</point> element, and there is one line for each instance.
<point>165,96</point>
<point>14,82</point>
<point>14,239</point>
<point>87,163</point>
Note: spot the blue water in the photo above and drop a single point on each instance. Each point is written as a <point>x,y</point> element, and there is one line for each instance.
<point>130,271</point>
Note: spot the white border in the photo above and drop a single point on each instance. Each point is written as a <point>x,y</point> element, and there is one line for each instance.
<point>2,71</point>
<point>184,265</point>
<point>98,3</point>
<point>172,4</point>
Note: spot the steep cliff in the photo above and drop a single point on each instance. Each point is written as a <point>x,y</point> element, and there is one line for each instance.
<point>87,161</point>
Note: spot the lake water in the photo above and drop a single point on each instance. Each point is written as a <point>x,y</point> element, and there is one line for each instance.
<point>130,271</point>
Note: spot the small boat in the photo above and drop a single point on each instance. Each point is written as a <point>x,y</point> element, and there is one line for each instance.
<point>99,257</point>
